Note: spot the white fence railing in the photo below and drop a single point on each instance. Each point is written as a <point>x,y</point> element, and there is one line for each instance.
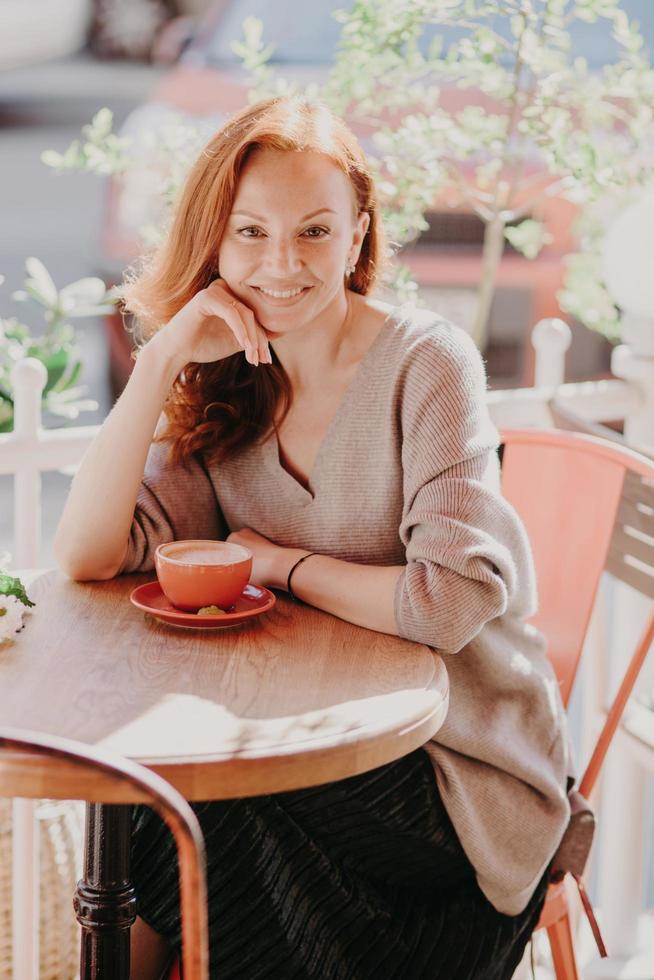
<point>29,450</point>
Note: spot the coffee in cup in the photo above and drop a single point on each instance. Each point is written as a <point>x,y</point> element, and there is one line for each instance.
<point>197,573</point>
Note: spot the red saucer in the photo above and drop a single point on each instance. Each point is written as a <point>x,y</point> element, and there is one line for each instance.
<point>253,601</point>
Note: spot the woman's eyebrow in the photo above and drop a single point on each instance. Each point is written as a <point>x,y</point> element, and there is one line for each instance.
<point>257,217</point>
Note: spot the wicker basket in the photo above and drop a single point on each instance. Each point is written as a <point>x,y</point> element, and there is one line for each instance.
<point>61,833</point>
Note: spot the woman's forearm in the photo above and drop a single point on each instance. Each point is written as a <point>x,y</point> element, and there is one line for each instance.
<point>92,535</point>
<point>359,594</point>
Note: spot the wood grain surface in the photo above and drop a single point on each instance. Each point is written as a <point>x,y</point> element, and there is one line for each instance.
<point>294,698</point>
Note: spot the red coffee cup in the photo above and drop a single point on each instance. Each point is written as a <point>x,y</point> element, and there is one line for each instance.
<point>197,573</point>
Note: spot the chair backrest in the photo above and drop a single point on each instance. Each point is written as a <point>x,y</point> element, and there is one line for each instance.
<point>33,765</point>
<point>588,507</point>
<point>573,497</point>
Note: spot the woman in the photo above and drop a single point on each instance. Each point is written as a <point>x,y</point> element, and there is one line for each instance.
<point>356,437</point>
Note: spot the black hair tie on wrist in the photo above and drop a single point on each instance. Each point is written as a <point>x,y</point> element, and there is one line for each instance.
<point>288,580</point>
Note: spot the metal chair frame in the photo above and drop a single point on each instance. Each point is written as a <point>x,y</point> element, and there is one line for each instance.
<point>544,472</point>
<point>77,771</point>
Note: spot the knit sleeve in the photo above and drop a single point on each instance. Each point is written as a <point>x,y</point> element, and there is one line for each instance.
<point>173,503</point>
<point>456,527</point>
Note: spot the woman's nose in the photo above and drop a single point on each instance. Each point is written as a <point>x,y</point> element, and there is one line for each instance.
<point>283,257</point>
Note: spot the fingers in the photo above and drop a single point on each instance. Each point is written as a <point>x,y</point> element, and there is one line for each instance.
<point>243,324</point>
<point>257,352</point>
<point>231,316</point>
<point>263,349</point>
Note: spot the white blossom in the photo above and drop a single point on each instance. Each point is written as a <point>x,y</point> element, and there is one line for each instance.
<point>11,616</point>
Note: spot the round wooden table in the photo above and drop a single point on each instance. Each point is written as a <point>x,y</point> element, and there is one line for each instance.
<point>291,699</point>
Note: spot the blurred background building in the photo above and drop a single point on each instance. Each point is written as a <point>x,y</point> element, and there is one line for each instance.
<point>63,60</point>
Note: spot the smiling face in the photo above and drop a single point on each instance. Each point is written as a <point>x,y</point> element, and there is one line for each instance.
<point>291,233</point>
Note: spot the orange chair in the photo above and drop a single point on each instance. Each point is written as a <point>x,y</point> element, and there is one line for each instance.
<point>592,490</point>
<point>33,765</point>
<point>580,498</point>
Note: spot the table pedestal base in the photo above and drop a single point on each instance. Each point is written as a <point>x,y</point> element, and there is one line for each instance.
<point>105,902</point>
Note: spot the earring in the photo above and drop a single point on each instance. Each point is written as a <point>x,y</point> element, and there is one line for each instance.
<point>350,267</point>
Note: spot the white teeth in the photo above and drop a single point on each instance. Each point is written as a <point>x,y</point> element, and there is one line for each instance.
<point>286,294</point>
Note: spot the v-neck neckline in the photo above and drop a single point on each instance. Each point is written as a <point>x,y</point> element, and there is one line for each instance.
<point>308,493</point>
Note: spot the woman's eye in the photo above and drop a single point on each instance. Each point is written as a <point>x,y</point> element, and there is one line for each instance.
<point>252,231</point>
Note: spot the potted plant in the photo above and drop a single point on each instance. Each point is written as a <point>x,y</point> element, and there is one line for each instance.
<point>56,346</point>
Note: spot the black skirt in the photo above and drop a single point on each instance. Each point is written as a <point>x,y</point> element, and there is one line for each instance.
<point>363,879</point>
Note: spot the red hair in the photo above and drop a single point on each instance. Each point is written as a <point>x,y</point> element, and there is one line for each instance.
<point>224,406</point>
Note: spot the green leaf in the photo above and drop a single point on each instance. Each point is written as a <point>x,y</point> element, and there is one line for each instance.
<point>68,404</point>
<point>114,294</point>
<point>67,380</point>
<point>56,364</point>
<point>52,159</point>
<point>99,129</point>
<point>101,124</point>
<point>40,284</point>
<point>13,586</point>
<point>528,237</point>
<point>63,335</point>
<point>35,293</point>
<point>90,290</point>
<point>6,411</point>
<point>14,330</point>
<point>73,156</point>
<point>101,310</point>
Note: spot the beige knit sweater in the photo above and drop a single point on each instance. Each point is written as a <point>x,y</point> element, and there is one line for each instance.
<point>408,473</point>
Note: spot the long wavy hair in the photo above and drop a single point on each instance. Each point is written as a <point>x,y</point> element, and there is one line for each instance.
<point>220,408</point>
